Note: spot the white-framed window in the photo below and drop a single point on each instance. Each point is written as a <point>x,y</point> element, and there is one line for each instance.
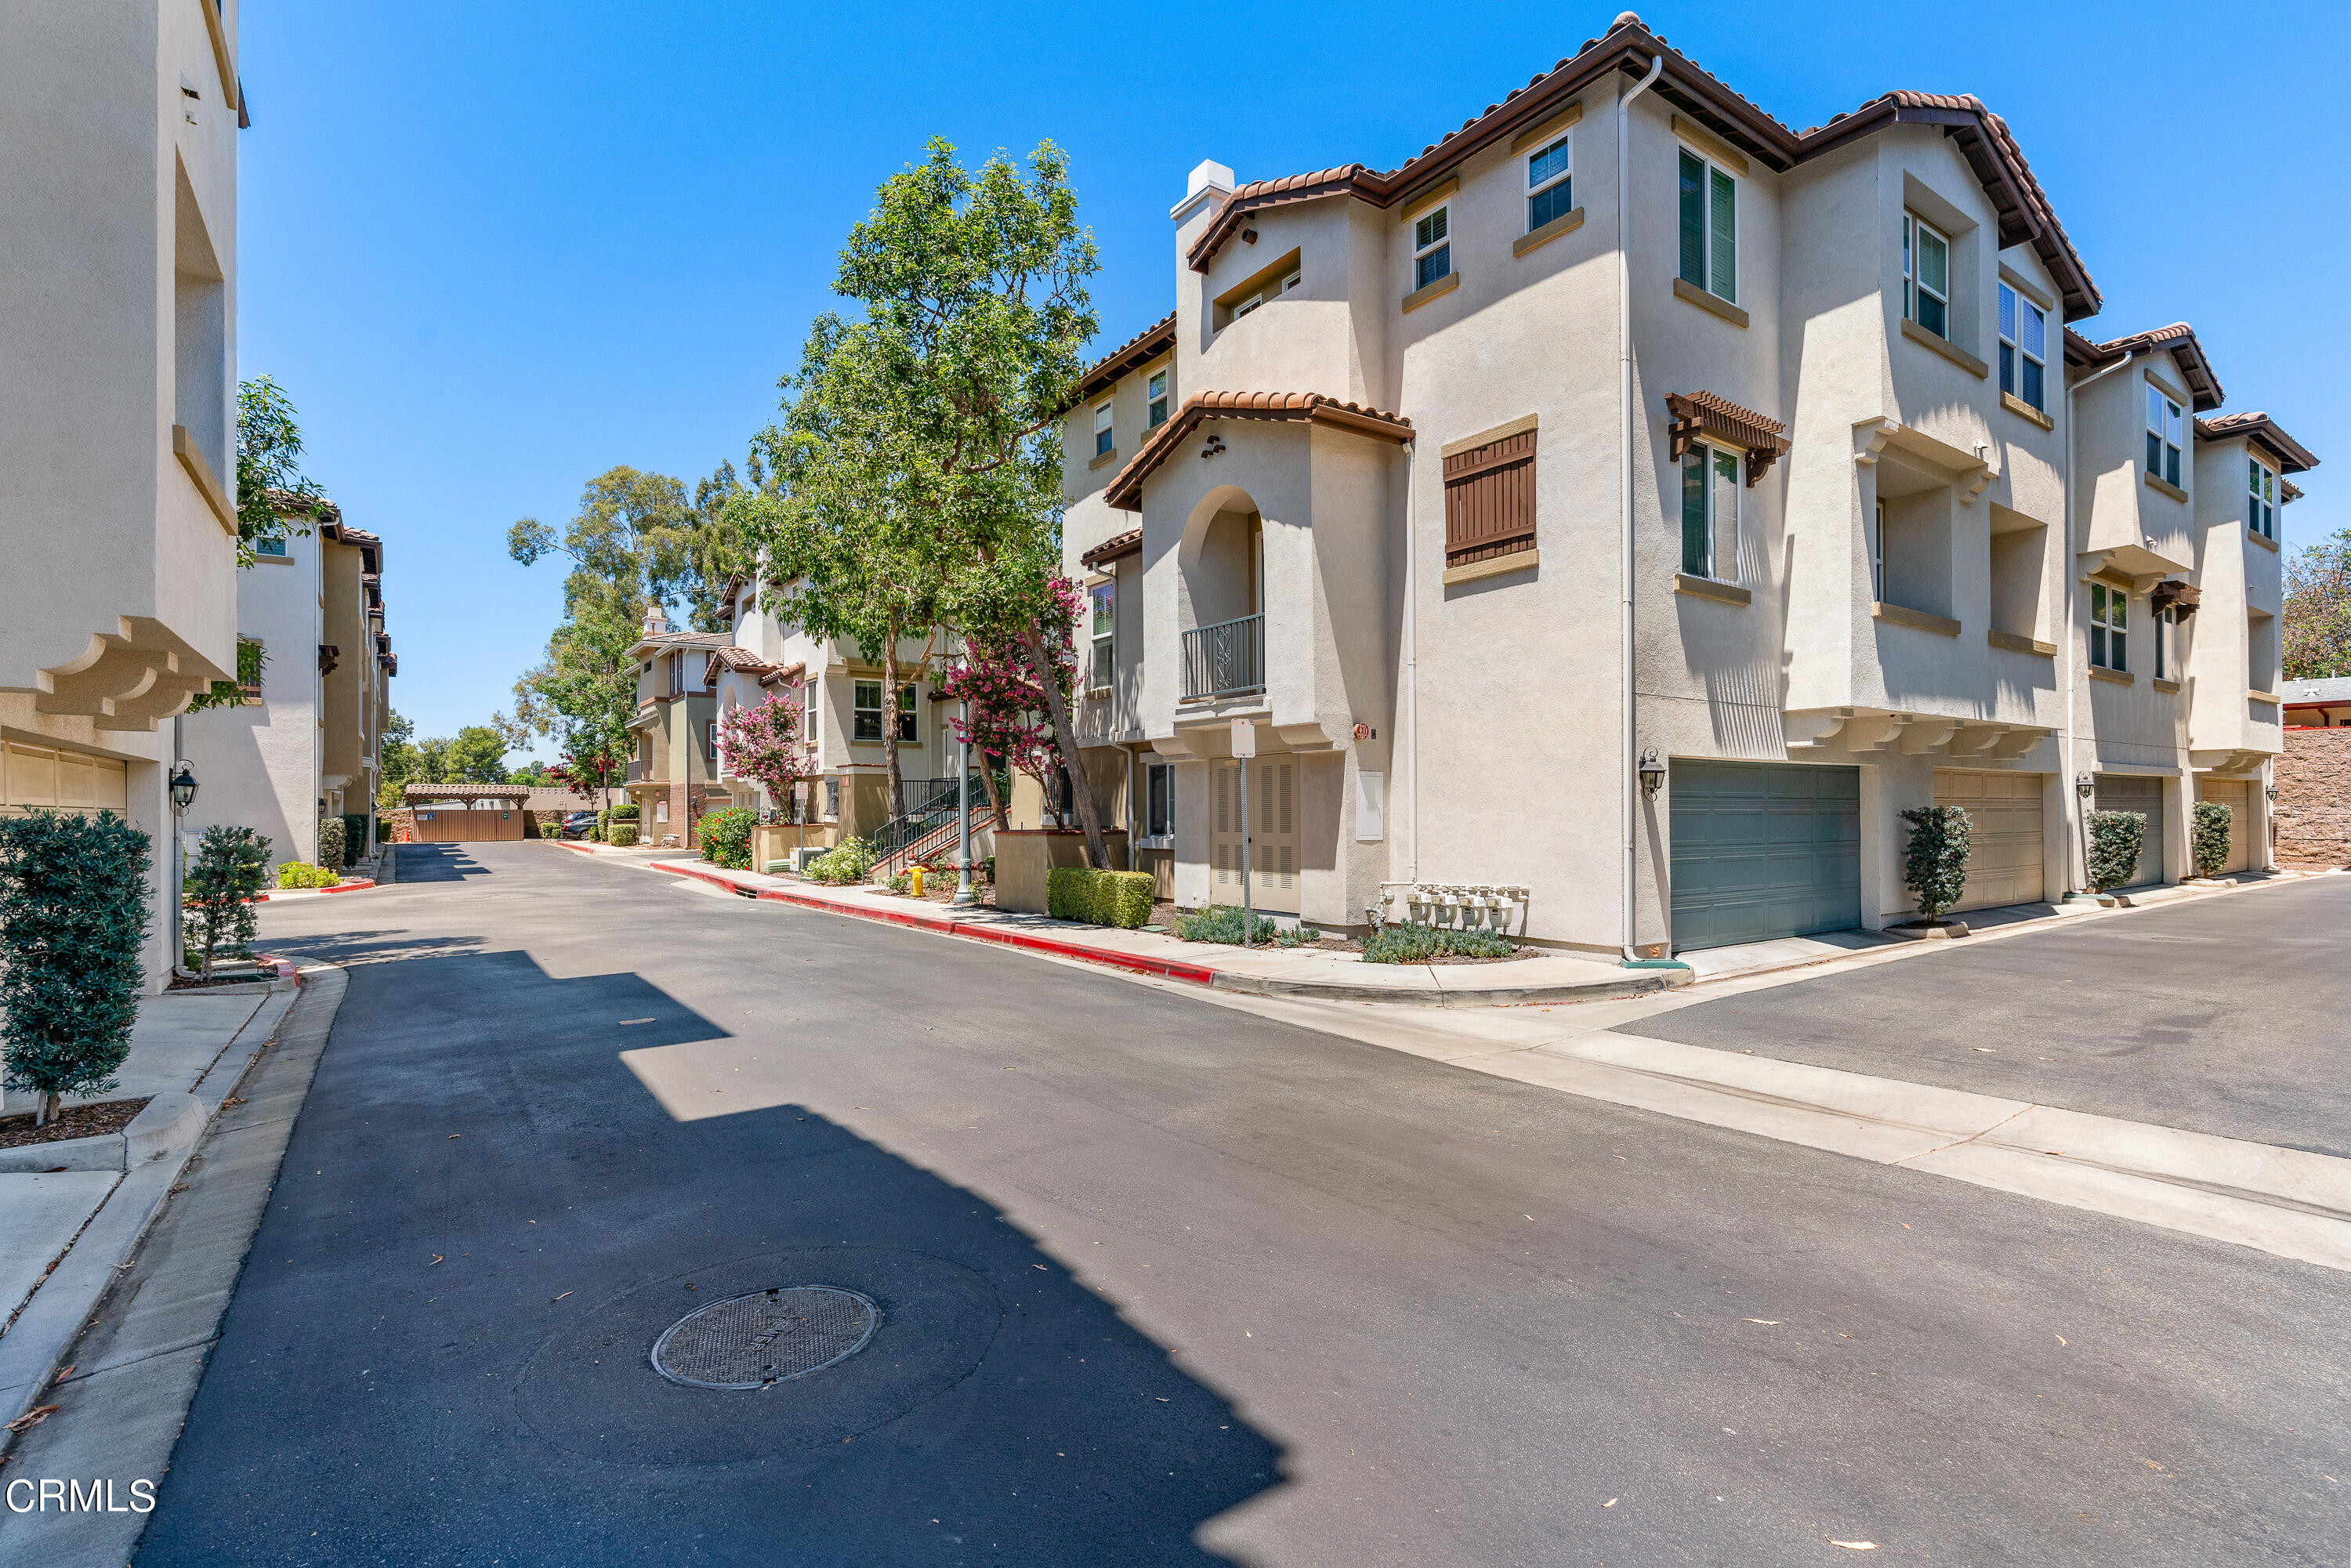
<point>1156,388</point>
<point>2164,423</point>
<point>831,800</point>
<point>2167,645</point>
<point>1551,183</point>
<point>269,544</point>
<point>1103,440</point>
<point>2023,349</point>
<point>1103,602</point>
<point>1926,275</point>
<point>1432,246</point>
<point>2109,627</point>
<point>865,711</point>
<point>1243,307</point>
<point>2260,499</point>
<point>1159,802</point>
<point>1292,281</point>
<point>677,674</point>
<point>710,739</point>
<point>1710,512</point>
<point>1877,554</point>
<point>1710,226</point>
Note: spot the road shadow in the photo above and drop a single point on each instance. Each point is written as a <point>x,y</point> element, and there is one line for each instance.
<point>438,1350</point>
<point>434,863</point>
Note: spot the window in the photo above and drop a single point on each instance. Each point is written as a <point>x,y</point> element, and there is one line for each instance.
<point>2163,431</point>
<point>710,739</point>
<point>1159,800</point>
<point>1489,500</point>
<point>271,546</point>
<point>2167,645</point>
<point>2023,349</point>
<point>1551,185</point>
<point>1710,513</point>
<point>832,797</point>
<point>2261,504</point>
<point>1103,441</point>
<point>1877,554</point>
<point>1709,227</point>
<point>1292,281</point>
<point>1431,246</point>
<point>1927,276</point>
<point>677,674</point>
<point>2109,627</point>
<point>1157,387</point>
<point>865,712</point>
<point>1243,307</point>
<point>1104,596</point>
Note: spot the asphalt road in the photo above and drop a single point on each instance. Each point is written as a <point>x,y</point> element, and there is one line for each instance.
<point>1161,1282</point>
<point>2220,1015</point>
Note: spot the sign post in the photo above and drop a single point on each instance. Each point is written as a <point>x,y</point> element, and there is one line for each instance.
<point>1245,747</point>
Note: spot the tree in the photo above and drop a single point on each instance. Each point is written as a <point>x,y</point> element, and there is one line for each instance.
<point>477,756</point>
<point>232,868</point>
<point>585,693</point>
<point>919,467</point>
<point>1935,862</point>
<point>2318,610</point>
<point>396,762</point>
<point>2113,852</point>
<point>762,744</point>
<point>1009,715</point>
<point>274,499</point>
<point>73,914</point>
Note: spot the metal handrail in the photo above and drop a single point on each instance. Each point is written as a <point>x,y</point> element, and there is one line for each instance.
<point>937,800</point>
<point>1225,659</point>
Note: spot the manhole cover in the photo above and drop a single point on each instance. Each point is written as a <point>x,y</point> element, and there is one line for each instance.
<point>767,1336</point>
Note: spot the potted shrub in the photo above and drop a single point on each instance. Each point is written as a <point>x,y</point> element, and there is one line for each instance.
<point>1935,869</point>
<point>73,915</point>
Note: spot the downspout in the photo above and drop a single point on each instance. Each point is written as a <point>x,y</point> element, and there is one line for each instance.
<point>2075,828</point>
<point>1629,414</point>
<point>1411,659</point>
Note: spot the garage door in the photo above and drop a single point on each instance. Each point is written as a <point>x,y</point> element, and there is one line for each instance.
<point>2121,792</point>
<point>1763,850</point>
<point>2004,847</point>
<point>2233,793</point>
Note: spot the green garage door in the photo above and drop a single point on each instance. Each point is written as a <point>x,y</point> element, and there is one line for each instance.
<point>1763,850</point>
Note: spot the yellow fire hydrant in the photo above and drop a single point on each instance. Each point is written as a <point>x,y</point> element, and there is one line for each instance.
<point>916,874</point>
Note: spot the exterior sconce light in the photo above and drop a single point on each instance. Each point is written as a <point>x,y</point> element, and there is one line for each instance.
<point>2084,787</point>
<point>183,786</point>
<point>2271,791</point>
<point>1652,772</point>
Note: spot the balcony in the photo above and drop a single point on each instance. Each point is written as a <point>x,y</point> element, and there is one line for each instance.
<point>636,773</point>
<point>1224,660</point>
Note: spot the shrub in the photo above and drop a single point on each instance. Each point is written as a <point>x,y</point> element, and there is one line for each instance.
<point>73,914</point>
<point>232,866</point>
<point>624,812</point>
<point>2212,837</point>
<point>727,837</point>
<point>2114,838</point>
<point>330,842</point>
<point>1120,898</point>
<point>1222,922</point>
<point>302,873</point>
<point>902,882</point>
<point>845,865</point>
<point>355,835</point>
<point>624,835</point>
<point>1935,866</point>
<point>1067,894</point>
<point>1408,942</point>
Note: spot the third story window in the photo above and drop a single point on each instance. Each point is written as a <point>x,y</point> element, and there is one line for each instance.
<point>1551,185</point>
<point>1103,441</point>
<point>2164,421</point>
<point>2261,504</point>
<point>2023,349</point>
<point>1157,388</point>
<point>2109,627</point>
<point>1104,596</point>
<point>1709,227</point>
<point>1710,513</point>
<point>1927,276</point>
<point>1432,249</point>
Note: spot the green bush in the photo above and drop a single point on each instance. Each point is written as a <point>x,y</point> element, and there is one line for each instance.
<point>2212,837</point>
<point>2114,838</point>
<point>73,915</point>
<point>302,873</point>
<point>232,866</point>
<point>1408,942</point>
<point>1120,898</point>
<point>624,812</point>
<point>1934,865</point>
<point>845,865</point>
<point>1067,894</point>
<point>1222,922</point>
<point>330,842</point>
<point>902,882</point>
<point>624,835</point>
<point>727,837</point>
<point>355,835</point>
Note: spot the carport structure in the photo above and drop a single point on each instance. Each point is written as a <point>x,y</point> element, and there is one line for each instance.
<point>466,813</point>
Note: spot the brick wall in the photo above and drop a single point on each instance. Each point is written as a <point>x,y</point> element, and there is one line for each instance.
<point>2312,813</point>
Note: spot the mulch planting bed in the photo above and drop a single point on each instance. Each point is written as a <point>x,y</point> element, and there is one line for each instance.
<point>73,1121</point>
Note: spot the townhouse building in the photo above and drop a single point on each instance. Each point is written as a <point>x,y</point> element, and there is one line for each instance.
<point>118,325</point>
<point>673,777</point>
<point>1637,504</point>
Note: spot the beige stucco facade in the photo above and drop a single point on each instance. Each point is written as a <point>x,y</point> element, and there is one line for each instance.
<point>1895,588</point>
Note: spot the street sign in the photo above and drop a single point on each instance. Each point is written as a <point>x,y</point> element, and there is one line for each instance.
<point>1244,737</point>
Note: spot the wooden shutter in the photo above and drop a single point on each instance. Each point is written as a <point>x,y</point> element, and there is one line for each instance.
<point>1489,500</point>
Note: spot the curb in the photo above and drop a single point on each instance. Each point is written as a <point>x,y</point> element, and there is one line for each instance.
<point>357,884</point>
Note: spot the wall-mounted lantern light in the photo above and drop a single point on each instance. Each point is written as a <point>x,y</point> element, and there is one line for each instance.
<point>1652,772</point>
<point>2085,787</point>
<point>183,786</point>
<point>2271,791</point>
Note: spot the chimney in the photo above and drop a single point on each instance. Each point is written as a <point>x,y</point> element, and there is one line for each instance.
<point>656,623</point>
<point>1209,178</point>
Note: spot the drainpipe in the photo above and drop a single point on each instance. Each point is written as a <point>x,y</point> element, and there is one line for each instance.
<point>1629,802</point>
<point>1411,659</point>
<point>2073,825</point>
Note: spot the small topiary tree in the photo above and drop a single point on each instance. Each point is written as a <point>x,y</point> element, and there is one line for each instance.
<point>2114,838</point>
<point>330,842</point>
<point>624,835</point>
<point>1935,866</point>
<point>73,914</point>
<point>2212,837</point>
<point>232,866</point>
<point>727,837</point>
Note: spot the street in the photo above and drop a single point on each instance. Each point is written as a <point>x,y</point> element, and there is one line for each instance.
<point>1163,1282</point>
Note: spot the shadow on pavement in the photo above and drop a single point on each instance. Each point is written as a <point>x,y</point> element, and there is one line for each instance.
<point>438,1350</point>
<point>434,863</point>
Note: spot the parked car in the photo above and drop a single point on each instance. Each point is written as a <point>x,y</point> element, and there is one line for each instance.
<point>575,824</point>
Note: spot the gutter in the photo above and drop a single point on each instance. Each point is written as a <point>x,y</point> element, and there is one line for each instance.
<point>1629,413</point>
<point>2073,823</point>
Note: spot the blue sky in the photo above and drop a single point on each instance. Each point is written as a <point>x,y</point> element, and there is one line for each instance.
<point>492,250</point>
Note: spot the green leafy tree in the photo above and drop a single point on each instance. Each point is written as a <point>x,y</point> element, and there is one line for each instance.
<point>2115,840</point>
<point>232,867</point>
<point>73,913</point>
<point>2318,610</point>
<point>477,756</point>
<point>1935,862</point>
<point>396,762</point>
<point>274,499</point>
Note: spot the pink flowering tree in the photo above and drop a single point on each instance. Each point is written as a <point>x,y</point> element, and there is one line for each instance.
<point>1010,716</point>
<point>762,744</point>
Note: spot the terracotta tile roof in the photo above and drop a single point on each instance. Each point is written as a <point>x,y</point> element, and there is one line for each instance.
<point>1114,548</point>
<point>2288,492</point>
<point>2179,339</point>
<point>465,791</point>
<point>659,640</point>
<point>1258,195</point>
<point>1125,491</point>
<point>744,661</point>
<point>1136,351</point>
<point>782,675</point>
<point>2291,456</point>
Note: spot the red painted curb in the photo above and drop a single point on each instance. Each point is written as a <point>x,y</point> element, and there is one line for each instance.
<point>356,885</point>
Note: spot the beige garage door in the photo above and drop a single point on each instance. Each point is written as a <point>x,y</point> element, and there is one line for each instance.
<point>2235,794</point>
<point>2004,846</point>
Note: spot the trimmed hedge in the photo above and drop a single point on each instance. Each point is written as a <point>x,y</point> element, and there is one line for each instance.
<point>2211,835</point>
<point>73,917</point>
<point>624,835</point>
<point>331,843</point>
<point>2114,838</point>
<point>624,812</point>
<point>1120,898</point>
<point>302,873</point>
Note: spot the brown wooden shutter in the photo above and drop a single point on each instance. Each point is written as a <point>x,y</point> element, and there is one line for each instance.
<point>1489,500</point>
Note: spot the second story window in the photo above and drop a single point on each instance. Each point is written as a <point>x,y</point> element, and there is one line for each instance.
<point>2109,627</point>
<point>1103,440</point>
<point>710,739</point>
<point>2164,420</point>
<point>1927,276</point>
<point>1710,513</point>
<point>2167,645</point>
<point>677,674</point>
<point>1157,388</point>
<point>1105,597</point>
<point>269,545</point>
<point>2023,349</point>
<point>1709,227</point>
<point>1431,246</point>
<point>2261,502</point>
<point>1551,184</point>
<point>865,713</point>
